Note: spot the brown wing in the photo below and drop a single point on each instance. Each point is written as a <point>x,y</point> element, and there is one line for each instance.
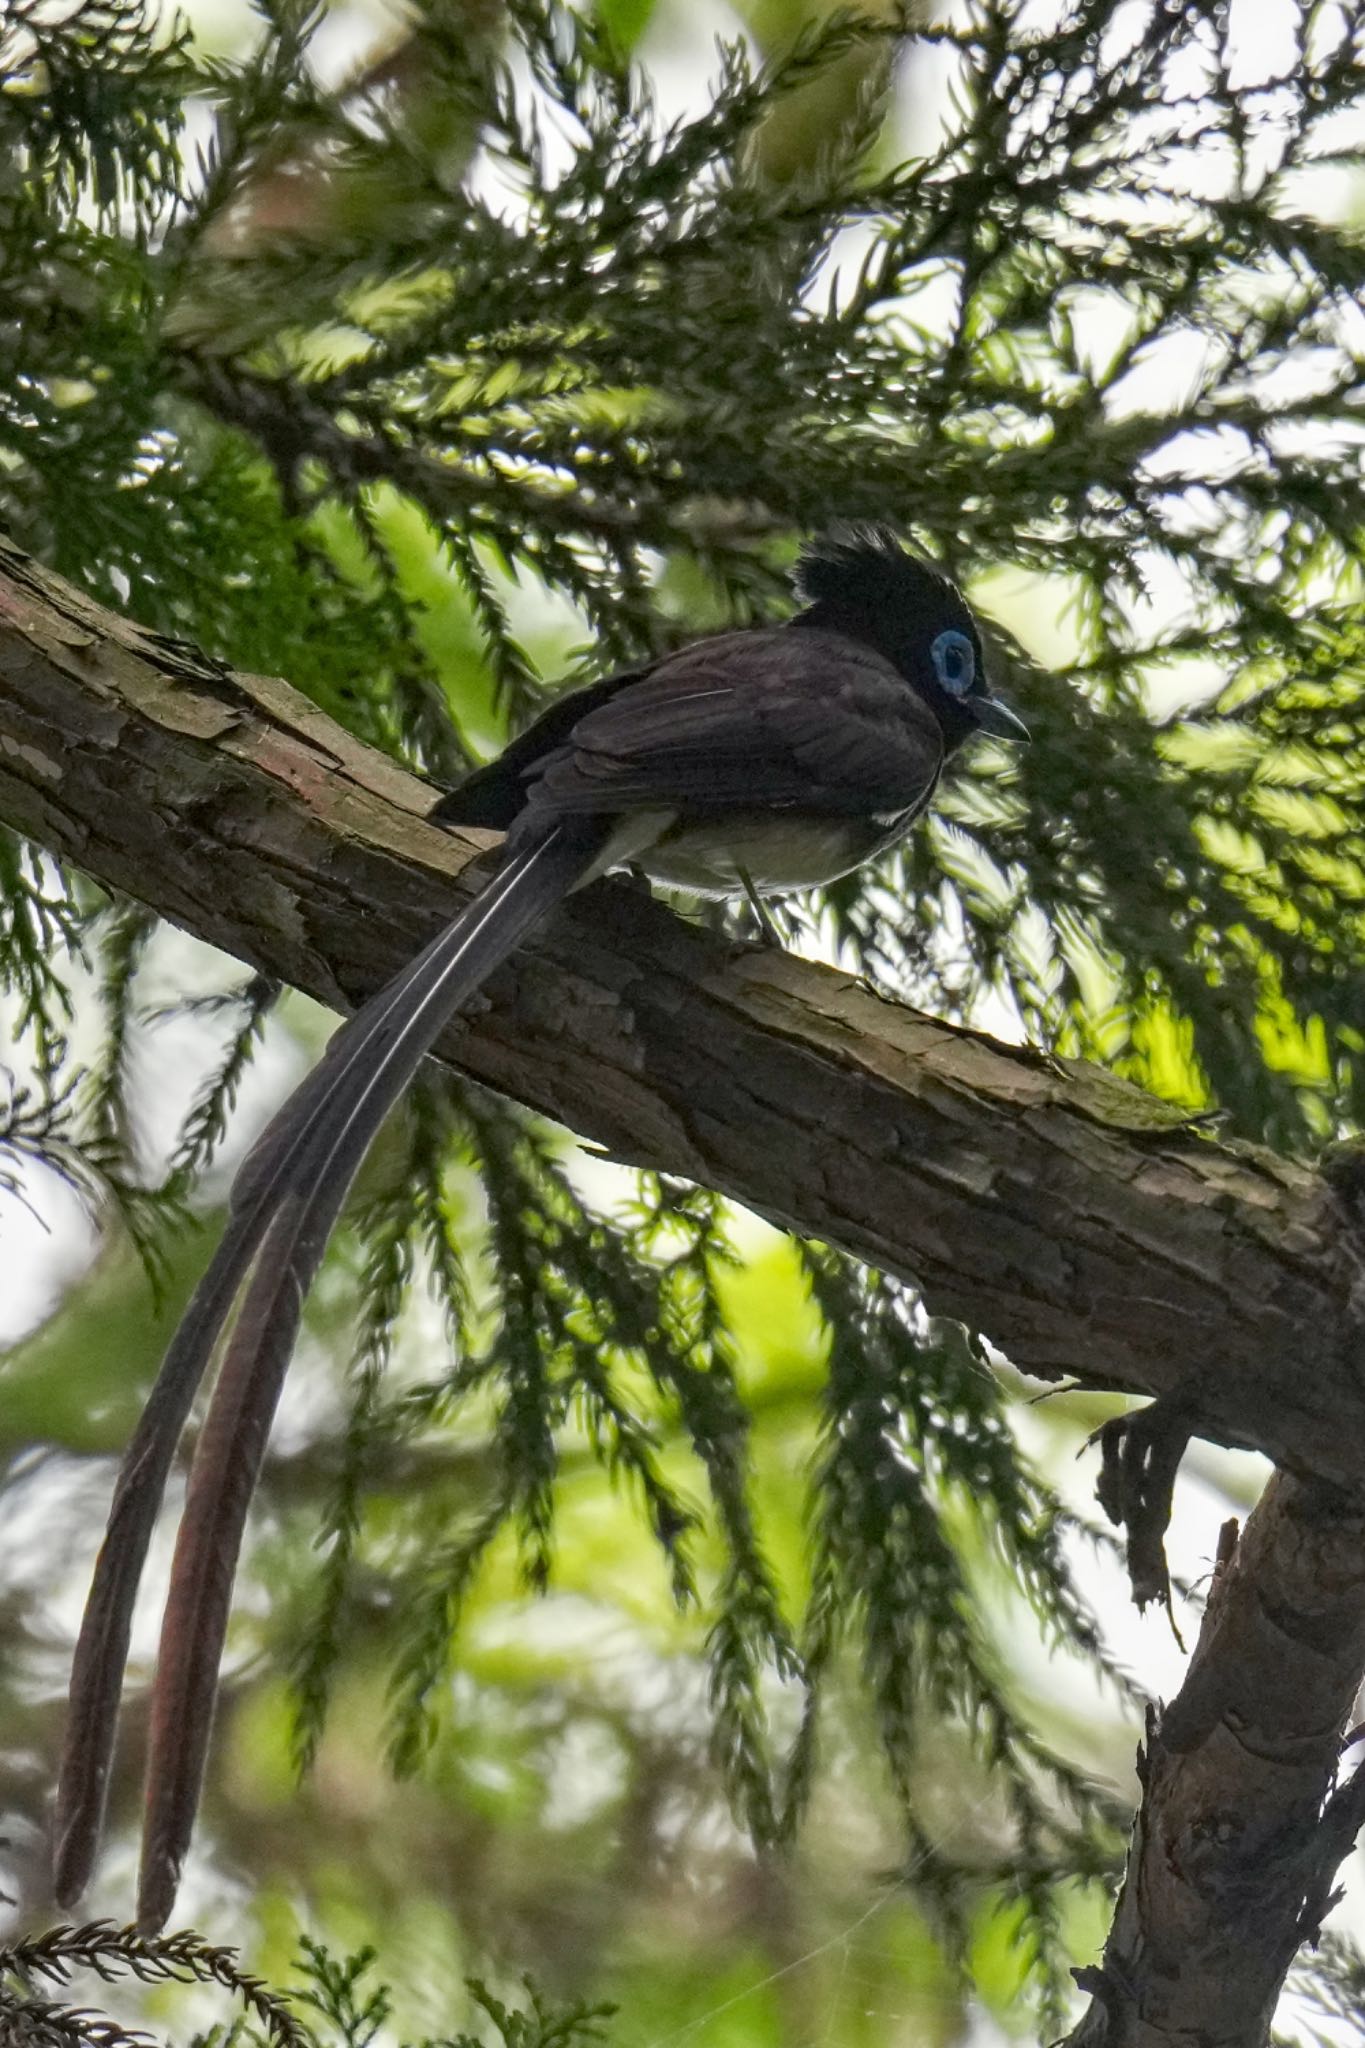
<point>496,793</point>
<point>777,717</point>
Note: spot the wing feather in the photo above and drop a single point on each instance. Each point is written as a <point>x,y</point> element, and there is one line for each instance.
<point>809,720</point>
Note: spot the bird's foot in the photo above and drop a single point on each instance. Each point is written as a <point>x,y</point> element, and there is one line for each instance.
<point>770,933</point>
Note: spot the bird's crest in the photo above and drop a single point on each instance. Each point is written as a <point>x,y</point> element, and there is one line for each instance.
<point>865,570</point>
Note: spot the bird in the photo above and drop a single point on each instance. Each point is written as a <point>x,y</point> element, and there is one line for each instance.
<point>753,762</point>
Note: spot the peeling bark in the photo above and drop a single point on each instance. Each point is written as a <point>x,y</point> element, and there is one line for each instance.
<point>1076,1222</point>
<point>1082,1226</point>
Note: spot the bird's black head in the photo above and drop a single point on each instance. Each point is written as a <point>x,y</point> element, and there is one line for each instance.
<point>859,580</point>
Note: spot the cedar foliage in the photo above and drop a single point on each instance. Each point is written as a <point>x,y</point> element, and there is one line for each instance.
<point>319,391</point>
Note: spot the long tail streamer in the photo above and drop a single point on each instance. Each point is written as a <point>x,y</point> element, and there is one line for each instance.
<point>285,1202</point>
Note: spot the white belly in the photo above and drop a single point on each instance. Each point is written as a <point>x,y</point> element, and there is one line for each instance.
<point>779,851</point>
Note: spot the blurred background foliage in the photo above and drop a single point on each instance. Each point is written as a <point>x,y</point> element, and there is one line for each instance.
<point>732,1627</point>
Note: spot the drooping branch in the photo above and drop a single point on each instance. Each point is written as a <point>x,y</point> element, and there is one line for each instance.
<point>1071,1219</point>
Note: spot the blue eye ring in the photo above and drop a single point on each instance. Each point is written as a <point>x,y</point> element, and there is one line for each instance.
<point>954,660</point>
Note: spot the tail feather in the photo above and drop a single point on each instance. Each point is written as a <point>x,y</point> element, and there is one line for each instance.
<point>102,1646</point>
<point>285,1201</point>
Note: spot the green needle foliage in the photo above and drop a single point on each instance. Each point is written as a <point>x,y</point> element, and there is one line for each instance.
<point>332,389</point>
<point>337,2002</point>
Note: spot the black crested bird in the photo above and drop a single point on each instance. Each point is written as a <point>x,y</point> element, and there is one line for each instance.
<point>764,760</point>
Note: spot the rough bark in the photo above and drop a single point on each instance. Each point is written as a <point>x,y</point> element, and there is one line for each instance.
<point>1067,1216</point>
<point>1241,1827</point>
<point>1078,1224</point>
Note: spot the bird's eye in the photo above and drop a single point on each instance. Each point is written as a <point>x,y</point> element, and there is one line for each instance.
<point>954,660</point>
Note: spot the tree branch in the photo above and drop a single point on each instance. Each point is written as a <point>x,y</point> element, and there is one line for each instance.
<point>1240,1832</point>
<point>290,425</point>
<point>1075,1221</point>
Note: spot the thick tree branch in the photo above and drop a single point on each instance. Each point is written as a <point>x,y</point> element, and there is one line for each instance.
<point>1074,1221</point>
<point>1065,1215</point>
<point>1241,1832</point>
